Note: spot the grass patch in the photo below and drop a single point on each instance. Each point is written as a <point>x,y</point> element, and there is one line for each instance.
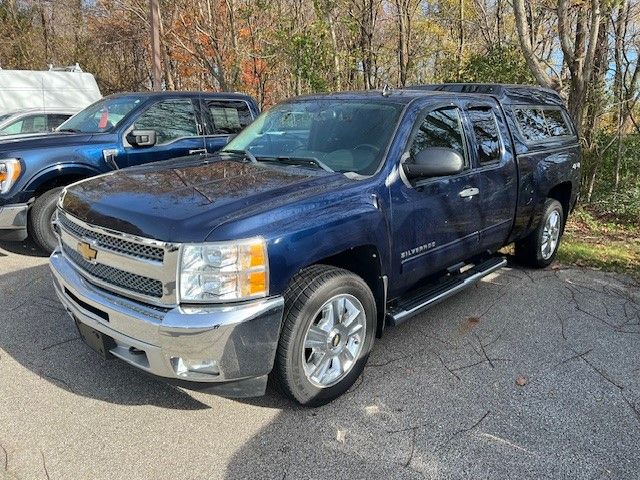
<point>597,243</point>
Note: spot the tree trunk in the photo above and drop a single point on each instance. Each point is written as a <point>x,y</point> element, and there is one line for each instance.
<point>461,39</point>
<point>536,66</point>
<point>404,32</point>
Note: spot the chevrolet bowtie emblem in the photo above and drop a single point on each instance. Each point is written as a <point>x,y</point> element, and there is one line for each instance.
<point>88,253</point>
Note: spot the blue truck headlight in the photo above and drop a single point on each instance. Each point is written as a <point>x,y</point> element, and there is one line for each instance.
<point>10,170</point>
<point>223,271</point>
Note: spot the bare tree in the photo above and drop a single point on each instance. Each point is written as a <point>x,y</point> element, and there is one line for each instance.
<point>578,32</point>
<point>406,10</point>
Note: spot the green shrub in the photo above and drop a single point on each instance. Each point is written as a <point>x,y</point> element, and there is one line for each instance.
<point>621,204</point>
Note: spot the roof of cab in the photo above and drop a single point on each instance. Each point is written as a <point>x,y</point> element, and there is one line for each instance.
<point>400,96</point>
<point>174,94</point>
<point>506,94</point>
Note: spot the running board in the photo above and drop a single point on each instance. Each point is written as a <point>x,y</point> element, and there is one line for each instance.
<point>429,296</point>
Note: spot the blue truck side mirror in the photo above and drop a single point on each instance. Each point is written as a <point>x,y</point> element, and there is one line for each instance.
<point>434,162</point>
<point>142,138</point>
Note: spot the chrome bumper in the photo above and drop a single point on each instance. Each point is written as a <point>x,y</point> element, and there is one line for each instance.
<point>241,339</point>
<point>13,222</point>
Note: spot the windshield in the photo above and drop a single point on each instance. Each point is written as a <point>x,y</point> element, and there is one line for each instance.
<point>336,134</point>
<point>102,116</point>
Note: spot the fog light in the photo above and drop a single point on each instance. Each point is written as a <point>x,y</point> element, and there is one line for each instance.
<point>184,366</point>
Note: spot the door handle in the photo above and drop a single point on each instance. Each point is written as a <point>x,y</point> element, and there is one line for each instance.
<point>198,150</point>
<point>469,192</point>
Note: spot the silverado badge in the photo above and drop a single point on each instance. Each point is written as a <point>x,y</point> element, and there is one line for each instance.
<point>87,252</point>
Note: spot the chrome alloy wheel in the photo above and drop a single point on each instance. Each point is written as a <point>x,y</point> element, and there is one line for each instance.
<point>334,340</point>
<point>550,235</point>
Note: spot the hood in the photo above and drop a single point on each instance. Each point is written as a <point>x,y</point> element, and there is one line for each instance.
<point>184,200</point>
<point>43,140</point>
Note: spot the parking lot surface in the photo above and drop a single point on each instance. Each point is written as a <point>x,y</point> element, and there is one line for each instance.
<point>530,374</point>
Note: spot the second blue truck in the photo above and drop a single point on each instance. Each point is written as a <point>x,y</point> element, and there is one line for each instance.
<point>116,132</point>
<point>326,220</point>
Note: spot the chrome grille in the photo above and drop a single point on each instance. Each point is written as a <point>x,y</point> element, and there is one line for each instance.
<point>140,268</point>
<point>119,278</point>
<point>112,243</point>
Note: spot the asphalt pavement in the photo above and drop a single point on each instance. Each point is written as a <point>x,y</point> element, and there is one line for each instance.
<point>529,374</point>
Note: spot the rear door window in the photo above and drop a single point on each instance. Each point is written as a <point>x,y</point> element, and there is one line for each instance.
<point>227,117</point>
<point>487,134</point>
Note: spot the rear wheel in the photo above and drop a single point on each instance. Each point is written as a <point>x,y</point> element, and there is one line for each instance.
<point>328,332</point>
<point>41,218</point>
<point>540,248</point>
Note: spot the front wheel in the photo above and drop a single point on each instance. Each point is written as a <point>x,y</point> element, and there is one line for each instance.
<point>328,332</point>
<point>540,248</point>
<point>41,218</point>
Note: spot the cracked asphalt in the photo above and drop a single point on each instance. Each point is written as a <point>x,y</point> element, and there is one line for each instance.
<point>530,374</point>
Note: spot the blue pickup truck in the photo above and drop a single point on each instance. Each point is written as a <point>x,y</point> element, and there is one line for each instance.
<point>328,219</point>
<point>118,131</point>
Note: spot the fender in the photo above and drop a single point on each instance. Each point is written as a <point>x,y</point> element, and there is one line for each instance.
<point>305,230</point>
<point>60,170</point>
<point>325,234</point>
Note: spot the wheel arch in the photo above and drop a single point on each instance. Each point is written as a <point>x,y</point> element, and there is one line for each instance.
<point>59,176</point>
<point>562,192</point>
<point>364,261</point>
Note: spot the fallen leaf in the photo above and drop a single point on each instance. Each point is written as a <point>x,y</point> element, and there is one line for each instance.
<point>372,409</point>
<point>521,381</point>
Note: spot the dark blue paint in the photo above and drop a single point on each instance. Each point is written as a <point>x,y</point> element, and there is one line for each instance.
<point>309,215</point>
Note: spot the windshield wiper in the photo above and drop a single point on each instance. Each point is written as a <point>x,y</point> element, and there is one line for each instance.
<point>70,130</point>
<point>245,153</point>
<point>308,161</point>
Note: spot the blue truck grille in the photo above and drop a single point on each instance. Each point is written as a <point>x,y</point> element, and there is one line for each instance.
<point>108,242</point>
<point>118,278</point>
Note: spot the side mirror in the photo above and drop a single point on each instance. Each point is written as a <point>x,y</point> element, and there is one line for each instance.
<point>142,138</point>
<point>434,162</point>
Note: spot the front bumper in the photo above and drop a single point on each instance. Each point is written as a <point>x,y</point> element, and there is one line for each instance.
<point>241,339</point>
<point>13,222</point>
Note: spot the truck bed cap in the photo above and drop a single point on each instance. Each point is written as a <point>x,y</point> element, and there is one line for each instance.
<point>506,94</point>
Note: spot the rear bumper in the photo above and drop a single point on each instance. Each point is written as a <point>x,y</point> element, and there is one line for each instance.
<point>13,222</point>
<point>239,341</point>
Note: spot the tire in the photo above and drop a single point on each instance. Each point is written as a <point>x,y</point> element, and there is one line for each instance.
<point>530,251</point>
<point>40,216</point>
<point>340,355</point>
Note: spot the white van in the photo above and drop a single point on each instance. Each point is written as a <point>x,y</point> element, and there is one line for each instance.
<point>71,90</point>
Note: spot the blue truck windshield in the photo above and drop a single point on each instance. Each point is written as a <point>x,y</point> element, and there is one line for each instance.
<point>343,135</point>
<point>102,116</point>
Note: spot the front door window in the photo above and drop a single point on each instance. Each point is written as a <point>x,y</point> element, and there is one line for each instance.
<point>170,119</point>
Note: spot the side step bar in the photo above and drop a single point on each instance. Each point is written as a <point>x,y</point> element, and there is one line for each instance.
<point>431,295</point>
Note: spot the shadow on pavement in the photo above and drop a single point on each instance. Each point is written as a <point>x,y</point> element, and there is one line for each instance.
<point>37,333</point>
<point>23,248</point>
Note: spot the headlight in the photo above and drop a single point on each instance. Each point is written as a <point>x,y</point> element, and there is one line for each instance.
<point>10,170</point>
<point>224,271</point>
